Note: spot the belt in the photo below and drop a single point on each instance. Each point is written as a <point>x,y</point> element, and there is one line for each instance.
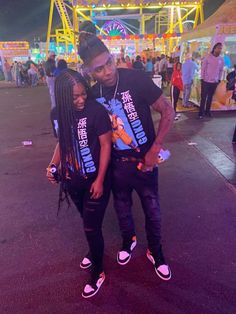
<point>129,159</point>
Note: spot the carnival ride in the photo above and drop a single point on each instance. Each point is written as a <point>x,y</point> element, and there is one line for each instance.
<point>168,19</point>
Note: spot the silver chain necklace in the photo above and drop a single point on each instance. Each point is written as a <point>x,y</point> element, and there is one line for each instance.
<point>116,89</point>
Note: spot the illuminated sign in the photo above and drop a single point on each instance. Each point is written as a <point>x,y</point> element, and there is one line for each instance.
<point>13,45</point>
<point>11,49</point>
<point>226,29</point>
<point>114,28</point>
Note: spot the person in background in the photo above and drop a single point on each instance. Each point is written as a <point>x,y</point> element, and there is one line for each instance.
<point>231,79</point>
<point>28,63</point>
<point>7,72</point>
<point>33,75</point>
<point>176,86</point>
<point>16,73</point>
<point>188,72</point>
<point>149,67</point>
<point>169,70</point>
<point>128,62</point>
<point>61,66</point>
<point>138,65</point>
<point>41,73</point>
<point>163,69</point>
<point>211,74</point>
<point>50,67</point>
<point>157,65</point>
<point>122,63</point>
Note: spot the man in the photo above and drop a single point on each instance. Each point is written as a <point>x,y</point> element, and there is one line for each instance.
<point>211,74</point>
<point>188,71</point>
<point>127,96</point>
<point>50,66</point>
<point>138,65</point>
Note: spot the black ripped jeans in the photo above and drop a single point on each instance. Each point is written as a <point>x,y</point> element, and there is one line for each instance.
<point>92,212</point>
<point>126,178</point>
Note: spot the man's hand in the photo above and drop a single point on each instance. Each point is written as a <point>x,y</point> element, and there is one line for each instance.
<point>150,159</point>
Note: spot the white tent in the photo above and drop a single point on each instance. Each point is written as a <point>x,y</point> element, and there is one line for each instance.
<point>226,14</point>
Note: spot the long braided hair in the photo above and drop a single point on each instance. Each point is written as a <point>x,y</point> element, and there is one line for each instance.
<point>68,138</point>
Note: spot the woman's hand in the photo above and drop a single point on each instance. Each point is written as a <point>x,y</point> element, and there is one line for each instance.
<point>50,176</point>
<point>96,189</point>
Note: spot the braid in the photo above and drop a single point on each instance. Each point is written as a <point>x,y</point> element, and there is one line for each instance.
<point>68,138</point>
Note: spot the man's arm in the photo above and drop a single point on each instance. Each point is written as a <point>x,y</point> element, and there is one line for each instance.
<point>163,106</point>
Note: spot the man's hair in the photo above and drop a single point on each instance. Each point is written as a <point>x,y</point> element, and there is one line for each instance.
<point>68,138</point>
<point>90,46</point>
<point>215,46</point>
<point>62,64</point>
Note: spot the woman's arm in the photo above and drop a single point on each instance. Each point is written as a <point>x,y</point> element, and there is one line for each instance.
<point>105,155</point>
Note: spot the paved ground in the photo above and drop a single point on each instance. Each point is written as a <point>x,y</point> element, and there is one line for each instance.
<point>40,252</point>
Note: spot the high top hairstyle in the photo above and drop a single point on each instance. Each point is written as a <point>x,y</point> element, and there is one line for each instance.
<point>68,138</point>
<point>90,46</point>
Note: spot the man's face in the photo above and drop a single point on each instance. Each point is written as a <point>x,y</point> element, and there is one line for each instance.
<point>103,69</point>
<point>218,50</point>
<point>79,96</point>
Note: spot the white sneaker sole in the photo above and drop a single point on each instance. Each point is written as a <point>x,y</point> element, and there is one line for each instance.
<point>151,259</point>
<point>100,282</point>
<point>85,266</point>
<point>133,245</point>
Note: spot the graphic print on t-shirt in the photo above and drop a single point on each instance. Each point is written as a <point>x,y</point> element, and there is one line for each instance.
<point>87,164</point>
<point>127,129</point>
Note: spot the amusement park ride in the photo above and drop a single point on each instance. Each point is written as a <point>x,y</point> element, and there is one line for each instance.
<point>128,19</point>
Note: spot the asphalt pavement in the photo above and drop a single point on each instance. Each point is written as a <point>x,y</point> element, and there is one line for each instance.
<point>40,252</point>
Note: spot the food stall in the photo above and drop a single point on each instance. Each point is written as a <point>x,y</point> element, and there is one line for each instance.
<point>220,27</point>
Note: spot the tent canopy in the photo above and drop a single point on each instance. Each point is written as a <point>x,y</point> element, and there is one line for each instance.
<point>226,14</point>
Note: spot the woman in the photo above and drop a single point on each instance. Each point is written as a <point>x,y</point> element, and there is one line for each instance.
<point>176,86</point>
<point>83,155</point>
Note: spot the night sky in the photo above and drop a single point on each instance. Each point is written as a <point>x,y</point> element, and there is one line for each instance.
<point>26,19</point>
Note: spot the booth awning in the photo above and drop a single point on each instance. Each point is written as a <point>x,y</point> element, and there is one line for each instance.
<point>226,14</point>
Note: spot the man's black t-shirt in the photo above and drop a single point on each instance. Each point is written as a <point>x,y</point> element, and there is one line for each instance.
<point>91,122</point>
<point>129,111</point>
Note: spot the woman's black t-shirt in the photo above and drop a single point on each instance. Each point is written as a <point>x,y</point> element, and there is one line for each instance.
<point>128,105</point>
<point>91,122</point>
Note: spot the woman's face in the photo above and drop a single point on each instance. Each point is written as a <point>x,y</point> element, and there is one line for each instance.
<point>178,67</point>
<point>79,96</point>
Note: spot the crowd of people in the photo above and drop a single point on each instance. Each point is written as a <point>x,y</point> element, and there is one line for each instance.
<point>24,74</point>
